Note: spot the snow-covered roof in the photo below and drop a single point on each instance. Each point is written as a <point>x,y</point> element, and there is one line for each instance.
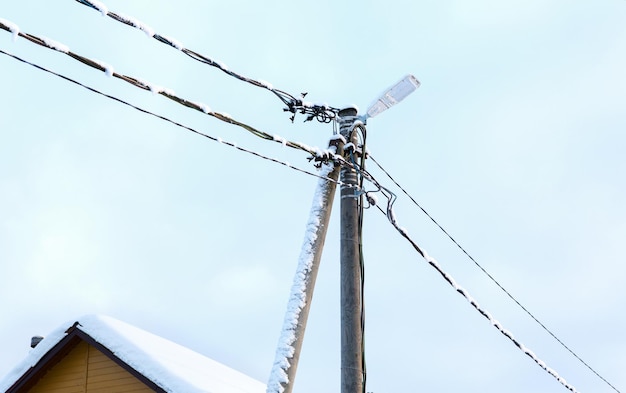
<point>170,366</point>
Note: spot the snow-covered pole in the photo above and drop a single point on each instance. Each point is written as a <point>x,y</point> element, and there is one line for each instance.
<point>351,318</point>
<point>290,343</point>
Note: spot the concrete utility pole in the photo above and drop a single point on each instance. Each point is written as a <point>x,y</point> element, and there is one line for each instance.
<point>290,344</point>
<point>320,212</point>
<point>288,351</point>
<point>351,329</point>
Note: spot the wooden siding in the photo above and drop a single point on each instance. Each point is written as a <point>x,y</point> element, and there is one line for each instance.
<point>86,370</point>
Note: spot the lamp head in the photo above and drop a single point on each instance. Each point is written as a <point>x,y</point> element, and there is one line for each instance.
<point>393,95</point>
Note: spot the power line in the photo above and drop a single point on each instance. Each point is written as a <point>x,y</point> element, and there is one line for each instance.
<point>161,117</point>
<point>322,113</point>
<point>223,117</point>
<point>316,153</point>
<point>391,197</point>
<point>492,278</point>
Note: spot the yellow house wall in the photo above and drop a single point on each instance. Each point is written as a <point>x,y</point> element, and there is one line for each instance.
<point>87,370</point>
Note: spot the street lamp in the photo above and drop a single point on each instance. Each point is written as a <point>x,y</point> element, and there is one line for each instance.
<point>393,95</point>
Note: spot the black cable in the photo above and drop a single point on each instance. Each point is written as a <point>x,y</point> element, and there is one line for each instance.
<point>351,150</point>
<point>362,258</point>
<point>433,263</point>
<point>322,113</point>
<point>316,154</point>
<point>492,278</point>
<point>215,139</point>
<point>360,168</point>
<point>137,83</point>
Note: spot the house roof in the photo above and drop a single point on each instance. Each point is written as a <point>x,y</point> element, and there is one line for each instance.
<point>160,363</point>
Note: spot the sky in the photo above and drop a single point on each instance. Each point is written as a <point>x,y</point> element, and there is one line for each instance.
<point>513,143</point>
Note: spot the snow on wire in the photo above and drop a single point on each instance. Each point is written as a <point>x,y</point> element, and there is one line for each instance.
<point>133,22</point>
<point>322,113</point>
<point>11,28</point>
<point>326,155</point>
<point>471,258</point>
<point>432,262</point>
<point>187,128</point>
<point>316,153</point>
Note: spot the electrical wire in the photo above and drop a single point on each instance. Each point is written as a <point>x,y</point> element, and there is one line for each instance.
<point>316,153</point>
<point>360,129</point>
<point>323,113</point>
<point>187,128</point>
<point>363,132</point>
<point>351,133</point>
<point>391,198</point>
<point>223,117</point>
<point>491,277</point>
<point>390,213</point>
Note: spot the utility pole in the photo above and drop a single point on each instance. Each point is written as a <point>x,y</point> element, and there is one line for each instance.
<point>352,372</point>
<point>351,323</point>
<point>288,352</point>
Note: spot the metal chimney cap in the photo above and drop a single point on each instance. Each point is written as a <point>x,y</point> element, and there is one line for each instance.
<point>35,340</point>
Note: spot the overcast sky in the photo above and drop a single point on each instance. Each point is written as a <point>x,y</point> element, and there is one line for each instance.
<point>514,143</point>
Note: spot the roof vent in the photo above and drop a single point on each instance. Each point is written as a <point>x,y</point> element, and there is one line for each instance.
<point>35,340</point>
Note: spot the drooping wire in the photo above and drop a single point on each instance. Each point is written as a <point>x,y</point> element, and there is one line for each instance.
<point>352,133</point>
<point>359,151</point>
<point>223,117</point>
<point>391,198</point>
<point>187,128</point>
<point>316,153</point>
<point>366,175</point>
<point>471,258</point>
<point>322,113</point>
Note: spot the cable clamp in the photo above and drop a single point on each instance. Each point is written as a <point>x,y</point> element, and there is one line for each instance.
<point>320,112</point>
<point>350,149</point>
<point>371,198</point>
<point>322,157</point>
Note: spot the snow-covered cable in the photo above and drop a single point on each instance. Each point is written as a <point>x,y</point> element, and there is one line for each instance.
<point>391,216</point>
<point>471,258</point>
<point>10,27</point>
<point>323,113</point>
<point>215,139</point>
<point>432,262</point>
<point>318,154</point>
